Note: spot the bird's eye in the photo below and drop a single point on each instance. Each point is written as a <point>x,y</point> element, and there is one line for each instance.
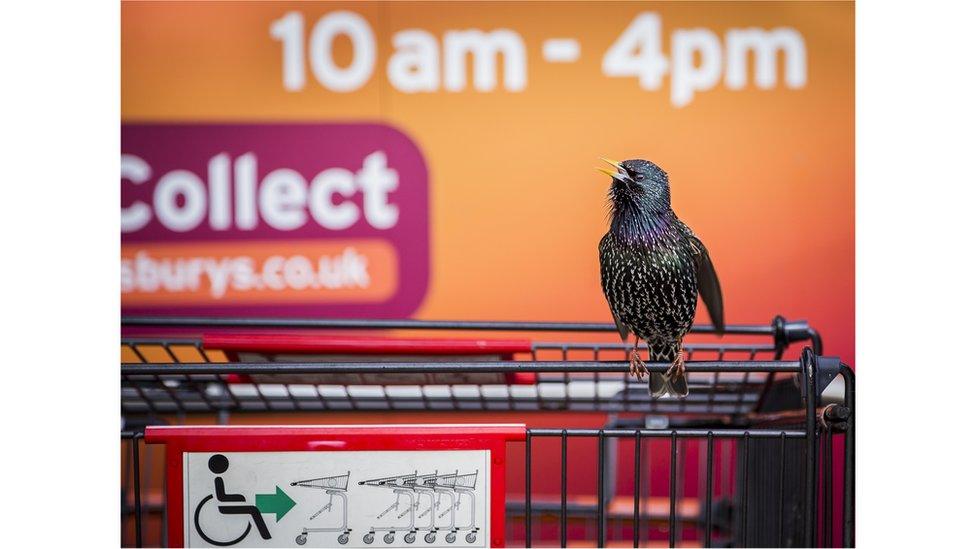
<point>640,177</point>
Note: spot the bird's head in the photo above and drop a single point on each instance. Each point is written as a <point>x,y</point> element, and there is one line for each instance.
<point>639,184</point>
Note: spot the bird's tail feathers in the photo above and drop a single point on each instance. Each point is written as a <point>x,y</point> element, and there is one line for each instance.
<point>657,385</point>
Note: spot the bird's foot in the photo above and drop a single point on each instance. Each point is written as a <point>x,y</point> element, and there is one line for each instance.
<point>677,382</point>
<point>637,366</point>
<point>677,367</point>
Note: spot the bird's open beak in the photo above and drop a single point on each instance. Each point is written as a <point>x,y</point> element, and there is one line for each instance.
<point>619,175</point>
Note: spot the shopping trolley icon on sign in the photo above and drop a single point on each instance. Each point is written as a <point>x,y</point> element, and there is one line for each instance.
<point>334,486</point>
<point>455,485</point>
<point>433,488</point>
<point>400,485</point>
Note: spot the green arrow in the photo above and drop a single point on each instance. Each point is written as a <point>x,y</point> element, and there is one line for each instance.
<point>278,503</point>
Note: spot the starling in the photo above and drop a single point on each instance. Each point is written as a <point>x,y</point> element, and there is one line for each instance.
<point>653,268</point>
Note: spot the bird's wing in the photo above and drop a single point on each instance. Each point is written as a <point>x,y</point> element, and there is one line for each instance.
<point>624,332</point>
<point>708,287</point>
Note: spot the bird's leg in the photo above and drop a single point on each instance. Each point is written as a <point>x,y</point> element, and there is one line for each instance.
<point>637,367</point>
<point>676,381</point>
<point>677,366</point>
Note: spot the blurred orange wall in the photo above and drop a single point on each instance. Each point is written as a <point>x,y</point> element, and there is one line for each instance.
<point>764,176</point>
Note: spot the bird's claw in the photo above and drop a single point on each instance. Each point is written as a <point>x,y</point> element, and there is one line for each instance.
<point>637,367</point>
<point>677,383</point>
<point>677,367</point>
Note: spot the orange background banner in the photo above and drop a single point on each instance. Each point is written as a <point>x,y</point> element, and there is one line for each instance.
<point>764,175</point>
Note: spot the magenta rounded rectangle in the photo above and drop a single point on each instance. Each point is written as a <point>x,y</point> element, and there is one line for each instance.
<point>315,199</point>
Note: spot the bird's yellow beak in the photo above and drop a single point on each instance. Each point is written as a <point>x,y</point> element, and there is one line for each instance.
<point>613,163</point>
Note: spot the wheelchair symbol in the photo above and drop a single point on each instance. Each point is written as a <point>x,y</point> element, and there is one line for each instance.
<point>208,539</point>
<point>228,504</point>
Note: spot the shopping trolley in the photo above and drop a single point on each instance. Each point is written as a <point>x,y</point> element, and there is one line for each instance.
<point>453,486</point>
<point>402,485</point>
<point>333,486</point>
<point>745,414</point>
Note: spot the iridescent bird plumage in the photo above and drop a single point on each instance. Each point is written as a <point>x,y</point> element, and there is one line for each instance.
<point>652,269</point>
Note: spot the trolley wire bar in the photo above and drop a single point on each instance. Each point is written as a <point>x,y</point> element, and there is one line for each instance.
<point>810,532</point>
<point>745,489</point>
<point>782,490</point>
<point>448,367</point>
<point>412,324</point>
<point>848,520</point>
<point>667,433</point>
<point>637,485</point>
<point>672,492</point>
<point>783,331</point>
<point>601,490</point>
<point>528,489</point>
<point>134,438</point>
<point>562,490</point>
<point>709,468</point>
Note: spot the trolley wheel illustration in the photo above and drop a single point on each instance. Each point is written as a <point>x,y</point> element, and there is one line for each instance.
<point>300,539</point>
<point>410,538</point>
<point>430,538</point>
<point>344,539</point>
<point>470,537</point>
<point>388,538</point>
<point>196,522</point>
<point>368,538</point>
<point>450,537</point>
